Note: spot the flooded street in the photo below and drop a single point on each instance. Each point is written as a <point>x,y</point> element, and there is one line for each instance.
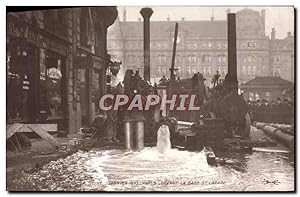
<point>148,170</point>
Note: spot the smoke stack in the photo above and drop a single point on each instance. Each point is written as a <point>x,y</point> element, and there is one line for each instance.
<point>182,18</point>
<point>146,13</point>
<point>232,62</point>
<point>124,15</point>
<point>273,34</point>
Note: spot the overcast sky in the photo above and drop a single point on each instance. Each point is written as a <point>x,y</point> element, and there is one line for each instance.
<point>282,18</point>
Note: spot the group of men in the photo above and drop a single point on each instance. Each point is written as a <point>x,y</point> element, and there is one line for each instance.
<point>275,111</point>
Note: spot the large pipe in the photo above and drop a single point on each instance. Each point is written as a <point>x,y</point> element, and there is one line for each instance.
<point>276,133</point>
<point>139,135</point>
<point>232,61</point>
<point>128,135</point>
<point>146,13</point>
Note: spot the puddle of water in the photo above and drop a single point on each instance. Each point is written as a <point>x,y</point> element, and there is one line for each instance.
<point>149,170</point>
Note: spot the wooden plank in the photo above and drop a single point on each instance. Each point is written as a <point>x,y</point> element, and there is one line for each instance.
<point>43,134</point>
<point>46,127</point>
<point>12,129</point>
<point>271,149</point>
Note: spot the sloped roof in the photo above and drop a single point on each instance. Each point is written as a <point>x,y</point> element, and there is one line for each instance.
<point>158,29</point>
<point>267,81</point>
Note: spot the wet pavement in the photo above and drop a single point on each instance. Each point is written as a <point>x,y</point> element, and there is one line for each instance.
<point>147,170</point>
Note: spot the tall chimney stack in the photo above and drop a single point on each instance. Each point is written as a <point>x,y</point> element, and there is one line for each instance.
<point>146,14</point>
<point>232,61</point>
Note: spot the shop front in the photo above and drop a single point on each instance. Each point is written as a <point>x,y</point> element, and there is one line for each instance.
<point>91,69</point>
<point>36,74</point>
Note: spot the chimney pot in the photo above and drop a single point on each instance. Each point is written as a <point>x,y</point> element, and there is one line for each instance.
<point>168,18</point>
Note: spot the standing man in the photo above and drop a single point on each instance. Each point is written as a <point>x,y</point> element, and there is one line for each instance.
<point>216,78</point>
<point>112,125</point>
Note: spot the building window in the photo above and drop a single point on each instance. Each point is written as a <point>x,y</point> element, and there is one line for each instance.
<point>158,71</point>
<point>268,95</point>
<point>188,70</point>
<point>191,45</point>
<point>163,71</point>
<point>224,59</point>
<point>179,70</point>
<point>199,59</point>
<point>204,70</point>
<point>194,69</point>
<point>178,59</point>
<point>249,71</point>
<point>209,71</point>
<point>207,59</point>
<point>162,59</point>
<point>210,45</point>
<point>224,70</point>
<point>254,70</point>
<point>251,44</point>
<point>243,45</point>
<point>158,45</point>
<point>264,69</point>
<point>221,59</point>
<point>276,58</point>
<point>192,59</point>
<point>249,59</point>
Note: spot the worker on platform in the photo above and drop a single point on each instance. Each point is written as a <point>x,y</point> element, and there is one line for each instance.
<point>215,79</point>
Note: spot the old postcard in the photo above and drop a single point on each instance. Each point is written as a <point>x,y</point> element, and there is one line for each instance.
<point>150,98</point>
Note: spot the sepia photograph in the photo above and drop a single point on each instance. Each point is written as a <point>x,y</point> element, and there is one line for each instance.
<point>150,98</point>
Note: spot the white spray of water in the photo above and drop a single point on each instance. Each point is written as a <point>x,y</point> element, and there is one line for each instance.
<point>163,139</point>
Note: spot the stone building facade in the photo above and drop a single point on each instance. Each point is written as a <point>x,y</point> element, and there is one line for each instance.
<point>56,65</point>
<point>202,47</point>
